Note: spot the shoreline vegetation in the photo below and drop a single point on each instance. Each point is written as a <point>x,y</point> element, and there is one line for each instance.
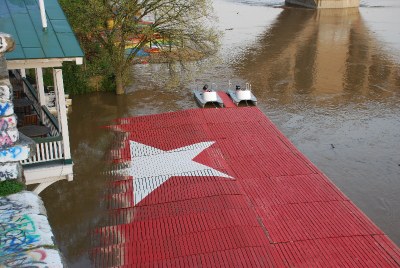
<point>115,35</point>
<point>181,54</point>
<point>185,55</point>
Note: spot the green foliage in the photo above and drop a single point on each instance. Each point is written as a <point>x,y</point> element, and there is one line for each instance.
<point>108,83</point>
<point>48,77</point>
<point>30,76</point>
<point>10,187</point>
<point>106,28</point>
<point>75,80</point>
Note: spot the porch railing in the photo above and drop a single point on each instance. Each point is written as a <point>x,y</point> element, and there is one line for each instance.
<point>51,122</point>
<point>47,150</point>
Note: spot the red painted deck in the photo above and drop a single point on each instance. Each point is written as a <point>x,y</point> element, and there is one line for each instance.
<point>249,198</point>
<point>228,103</point>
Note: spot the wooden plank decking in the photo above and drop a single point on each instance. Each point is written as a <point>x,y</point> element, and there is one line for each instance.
<point>245,197</point>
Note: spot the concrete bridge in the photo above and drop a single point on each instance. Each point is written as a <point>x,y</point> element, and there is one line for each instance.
<point>324,3</point>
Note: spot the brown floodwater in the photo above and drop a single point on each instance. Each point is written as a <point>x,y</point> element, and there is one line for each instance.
<point>330,80</point>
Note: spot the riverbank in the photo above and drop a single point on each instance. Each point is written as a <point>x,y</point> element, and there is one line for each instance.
<point>324,3</point>
<point>177,54</point>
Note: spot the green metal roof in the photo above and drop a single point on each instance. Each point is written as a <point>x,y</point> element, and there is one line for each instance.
<point>21,19</point>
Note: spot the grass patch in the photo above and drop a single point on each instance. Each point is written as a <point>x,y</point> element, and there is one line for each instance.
<point>10,187</point>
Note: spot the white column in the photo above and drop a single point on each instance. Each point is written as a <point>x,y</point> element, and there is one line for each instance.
<point>40,90</point>
<point>61,110</point>
<point>23,75</point>
<point>40,86</point>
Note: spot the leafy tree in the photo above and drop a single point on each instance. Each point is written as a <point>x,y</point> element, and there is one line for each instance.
<point>107,27</point>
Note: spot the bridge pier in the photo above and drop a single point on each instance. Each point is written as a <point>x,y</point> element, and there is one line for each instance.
<point>324,3</point>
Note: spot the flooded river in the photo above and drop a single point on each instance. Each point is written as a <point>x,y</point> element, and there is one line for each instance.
<point>330,80</point>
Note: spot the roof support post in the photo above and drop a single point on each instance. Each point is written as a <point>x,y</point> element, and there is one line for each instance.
<point>62,111</point>
<point>23,75</point>
<point>40,90</point>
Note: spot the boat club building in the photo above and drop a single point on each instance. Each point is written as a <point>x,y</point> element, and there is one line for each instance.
<point>43,41</point>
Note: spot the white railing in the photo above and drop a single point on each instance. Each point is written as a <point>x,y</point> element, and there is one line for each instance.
<point>51,122</point>
<point>47,150</point>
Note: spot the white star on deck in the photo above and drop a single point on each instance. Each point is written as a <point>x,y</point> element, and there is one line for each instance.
<point>151,167</point>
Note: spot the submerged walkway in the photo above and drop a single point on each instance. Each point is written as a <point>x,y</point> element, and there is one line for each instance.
<point>225,188</point>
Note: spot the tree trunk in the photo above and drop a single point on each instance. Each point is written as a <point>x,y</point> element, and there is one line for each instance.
<point>120,84</point>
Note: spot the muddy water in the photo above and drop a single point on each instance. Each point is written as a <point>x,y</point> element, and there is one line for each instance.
<point>330,80</point>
